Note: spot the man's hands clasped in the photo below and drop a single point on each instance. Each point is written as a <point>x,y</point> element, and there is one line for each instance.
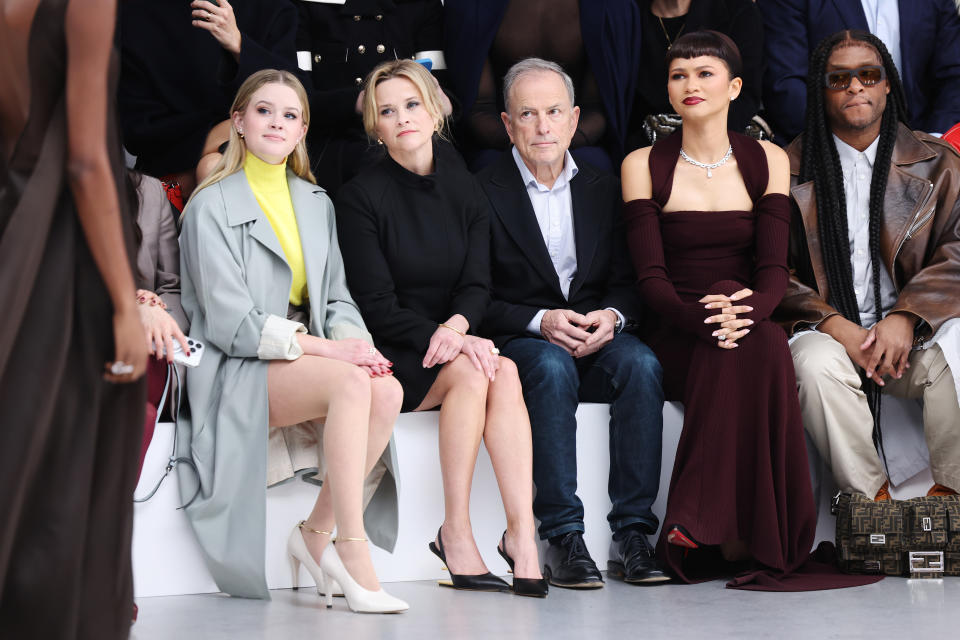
<point>578,334</point>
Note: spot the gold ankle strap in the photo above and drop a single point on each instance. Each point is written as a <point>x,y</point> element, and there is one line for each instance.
<point>303,525</point>
<point>339,538</point>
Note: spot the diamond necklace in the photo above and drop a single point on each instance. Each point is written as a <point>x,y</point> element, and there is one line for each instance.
<point>704,165</point>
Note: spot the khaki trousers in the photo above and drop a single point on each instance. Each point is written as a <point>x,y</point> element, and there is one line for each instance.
<point>838,419</point>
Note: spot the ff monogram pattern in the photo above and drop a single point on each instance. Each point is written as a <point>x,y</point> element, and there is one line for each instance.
<point>877,537</point>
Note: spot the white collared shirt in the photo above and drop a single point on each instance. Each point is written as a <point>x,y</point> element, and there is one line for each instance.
<point>857,167</point>
<point>883,21</point>
<point>554,210</point>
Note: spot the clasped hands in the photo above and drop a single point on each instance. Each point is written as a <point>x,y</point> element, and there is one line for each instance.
<point>882,350</point>
<point>731,328</point>
<point>450,340</point>
<point>578,334</point>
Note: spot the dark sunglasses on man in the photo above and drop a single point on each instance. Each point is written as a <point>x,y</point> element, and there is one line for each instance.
<point>840,79</point>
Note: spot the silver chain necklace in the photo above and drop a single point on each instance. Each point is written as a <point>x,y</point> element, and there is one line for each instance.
<point>704,165</point>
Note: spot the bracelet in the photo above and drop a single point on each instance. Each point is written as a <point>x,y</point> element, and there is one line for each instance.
<point>454,329</point>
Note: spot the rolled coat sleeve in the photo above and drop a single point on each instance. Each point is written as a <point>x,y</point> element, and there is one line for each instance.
<point>210,252</point>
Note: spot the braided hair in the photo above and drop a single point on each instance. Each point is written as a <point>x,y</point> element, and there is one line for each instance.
<point>820,162</point>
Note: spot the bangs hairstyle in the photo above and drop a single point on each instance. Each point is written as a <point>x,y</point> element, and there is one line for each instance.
<point>707,43</point>
<point>236,151</point>
<point>421,78</point>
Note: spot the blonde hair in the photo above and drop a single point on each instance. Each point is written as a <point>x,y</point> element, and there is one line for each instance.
<point>421,79</point>
<point>236,151</point>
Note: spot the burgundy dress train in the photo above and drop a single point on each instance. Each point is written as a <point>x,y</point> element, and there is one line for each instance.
<point>741,466</point>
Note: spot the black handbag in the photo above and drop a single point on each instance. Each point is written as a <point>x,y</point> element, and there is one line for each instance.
<point>919,538</point>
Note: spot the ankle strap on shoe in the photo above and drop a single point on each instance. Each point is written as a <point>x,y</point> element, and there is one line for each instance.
<point>303,525</point>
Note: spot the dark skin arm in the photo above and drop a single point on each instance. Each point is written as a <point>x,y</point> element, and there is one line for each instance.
<point>89,36</point>
<point>882,350</point>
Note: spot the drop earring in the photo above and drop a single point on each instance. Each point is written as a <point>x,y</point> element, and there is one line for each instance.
<point>240,132</point>
<point>379,140</point>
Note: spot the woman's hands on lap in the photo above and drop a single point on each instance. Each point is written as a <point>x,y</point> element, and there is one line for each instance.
<point>731,328</point>
<point>353,350</point>
<point>446,342</point>
<point>482,355</point>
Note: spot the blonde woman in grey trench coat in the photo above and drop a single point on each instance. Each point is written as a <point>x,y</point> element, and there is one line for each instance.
<point>263,285</point>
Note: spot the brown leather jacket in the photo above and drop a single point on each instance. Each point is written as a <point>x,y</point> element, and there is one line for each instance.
<point>920,241</point>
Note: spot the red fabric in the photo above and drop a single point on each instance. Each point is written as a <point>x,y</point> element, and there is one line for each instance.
<point>953,136</point>
<point>174,192</point>
<point>156,379</point>
<point>741,466</point>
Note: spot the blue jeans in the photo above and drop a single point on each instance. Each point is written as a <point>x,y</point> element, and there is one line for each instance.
<point>626,374</point>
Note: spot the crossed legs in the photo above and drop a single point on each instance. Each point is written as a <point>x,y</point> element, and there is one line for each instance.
<point>360,412</point>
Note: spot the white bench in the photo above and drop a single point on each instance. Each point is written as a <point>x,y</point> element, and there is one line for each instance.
<point>167,561</point>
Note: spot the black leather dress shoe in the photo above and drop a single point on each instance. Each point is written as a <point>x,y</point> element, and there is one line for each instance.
<point>568,564</point>
<point>633,560</point>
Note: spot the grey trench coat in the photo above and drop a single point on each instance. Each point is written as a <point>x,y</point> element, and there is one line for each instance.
<point>235,287</point>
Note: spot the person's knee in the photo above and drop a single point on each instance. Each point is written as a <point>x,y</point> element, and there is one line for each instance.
<point>816,356</point>
<point>551,366</point>
<point>642,361</point>
<point>466,376</point>
<point>352,384</point>
<point>507,380</point>
<point>386,395</point>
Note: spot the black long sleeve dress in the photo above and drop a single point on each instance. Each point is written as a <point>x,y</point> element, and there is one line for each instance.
<point>416,251</point>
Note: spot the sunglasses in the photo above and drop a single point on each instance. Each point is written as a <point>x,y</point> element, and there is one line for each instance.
<point>841,78</point>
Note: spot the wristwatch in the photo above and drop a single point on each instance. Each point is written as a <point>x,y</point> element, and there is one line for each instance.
<point>618,325</point>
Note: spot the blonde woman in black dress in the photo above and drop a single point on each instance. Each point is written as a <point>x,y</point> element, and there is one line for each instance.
<point>415,236</point>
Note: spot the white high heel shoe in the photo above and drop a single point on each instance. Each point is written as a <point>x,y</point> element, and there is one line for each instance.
<point>359,600</point>
<point>299,554</point>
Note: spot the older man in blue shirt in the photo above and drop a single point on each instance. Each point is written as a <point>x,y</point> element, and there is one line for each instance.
<point>563,291</point>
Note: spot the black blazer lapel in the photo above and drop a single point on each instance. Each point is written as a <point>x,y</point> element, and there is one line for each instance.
<point>511,205</point>
<point>585,226</point>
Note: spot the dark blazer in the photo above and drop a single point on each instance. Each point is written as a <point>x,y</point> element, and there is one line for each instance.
<point>523,279</point>
<point>929,48</point>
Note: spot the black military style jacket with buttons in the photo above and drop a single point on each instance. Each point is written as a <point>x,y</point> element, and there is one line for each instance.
<point>339,43</point>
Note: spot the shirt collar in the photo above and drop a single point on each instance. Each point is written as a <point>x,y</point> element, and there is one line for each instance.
<point>529,180</point>
<point>848,155</point>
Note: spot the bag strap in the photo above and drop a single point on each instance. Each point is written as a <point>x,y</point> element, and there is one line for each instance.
<point>173,460</point>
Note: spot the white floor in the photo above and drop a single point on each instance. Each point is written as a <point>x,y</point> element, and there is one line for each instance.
<point>893,608</point>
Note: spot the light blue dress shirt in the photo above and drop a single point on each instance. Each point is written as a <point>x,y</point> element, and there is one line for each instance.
<point>554,210</point>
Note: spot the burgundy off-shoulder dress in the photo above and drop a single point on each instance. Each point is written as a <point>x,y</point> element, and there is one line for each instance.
<point>741,467</point>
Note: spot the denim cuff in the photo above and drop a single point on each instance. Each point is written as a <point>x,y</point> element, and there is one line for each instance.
<point>649,525</point>
<point>559,530</point>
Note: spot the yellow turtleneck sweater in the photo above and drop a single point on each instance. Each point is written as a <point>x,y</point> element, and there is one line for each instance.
<point>269,185</point>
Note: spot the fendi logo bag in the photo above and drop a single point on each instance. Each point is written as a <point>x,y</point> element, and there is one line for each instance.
<point>919,538</point>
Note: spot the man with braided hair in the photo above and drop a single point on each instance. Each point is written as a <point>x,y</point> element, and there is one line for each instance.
<point>874,298</point>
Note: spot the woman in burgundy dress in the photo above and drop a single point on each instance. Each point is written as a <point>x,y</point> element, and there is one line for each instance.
<point>708,217</point>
